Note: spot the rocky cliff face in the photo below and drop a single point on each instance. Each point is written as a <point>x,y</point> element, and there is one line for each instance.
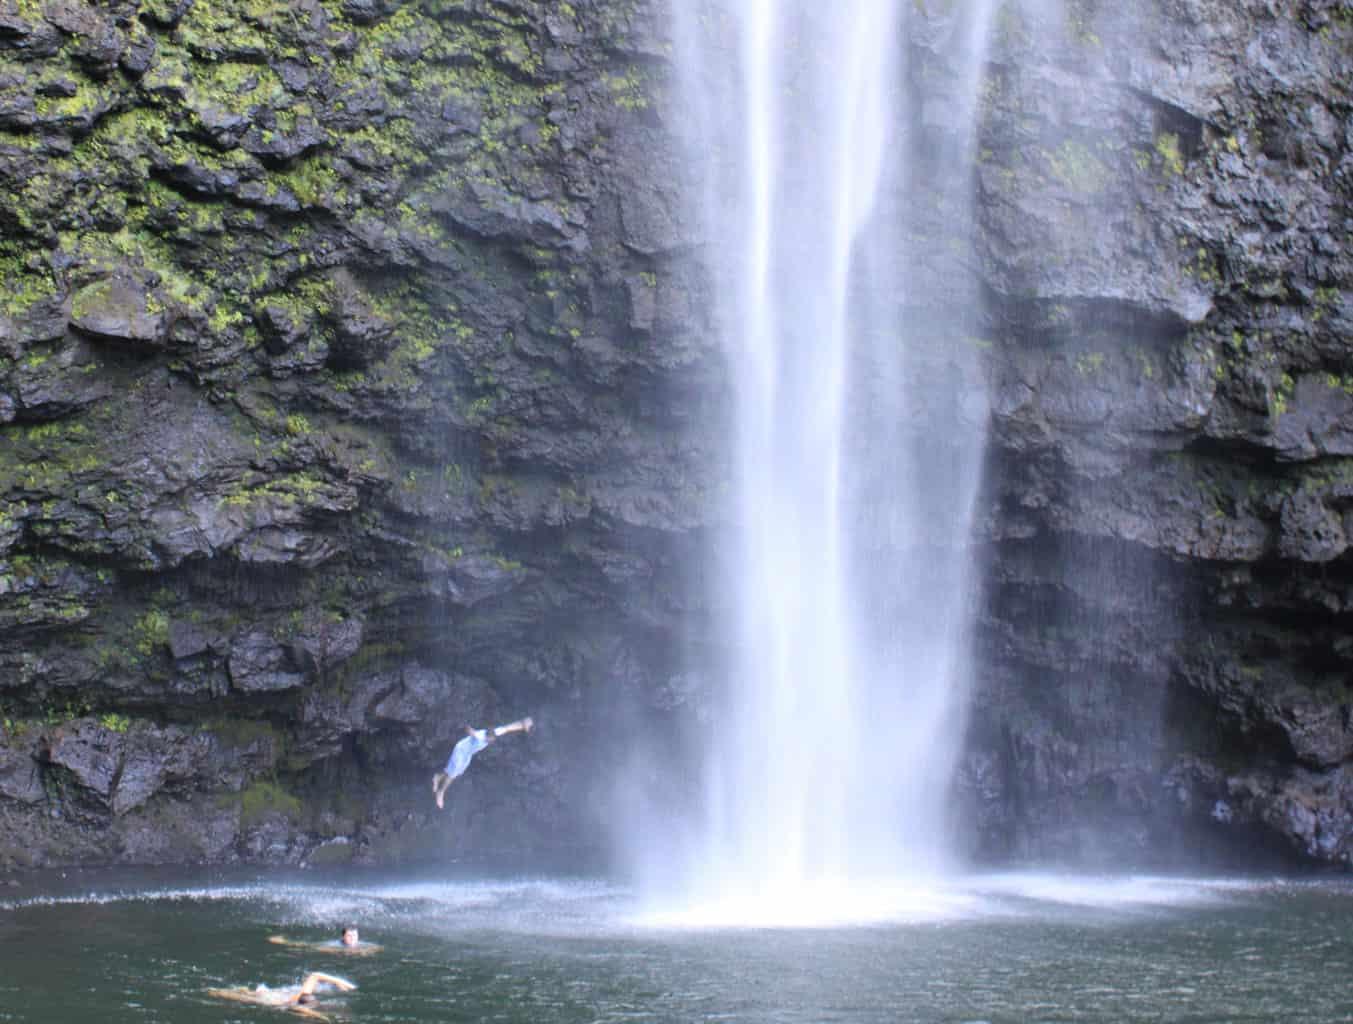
<point>344,369</point>
<point>355,385</point>
<point>1166,205</point>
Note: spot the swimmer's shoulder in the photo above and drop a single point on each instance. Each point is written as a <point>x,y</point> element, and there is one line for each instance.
<point>334,946</point>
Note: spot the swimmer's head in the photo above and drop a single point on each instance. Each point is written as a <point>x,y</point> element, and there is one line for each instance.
<point>349,936</point>
<point>305,997</point>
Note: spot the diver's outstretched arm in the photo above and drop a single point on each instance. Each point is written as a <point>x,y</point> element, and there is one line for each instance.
<point>521,725</point>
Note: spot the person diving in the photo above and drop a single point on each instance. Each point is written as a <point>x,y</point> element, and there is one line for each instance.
<point>463,752</point>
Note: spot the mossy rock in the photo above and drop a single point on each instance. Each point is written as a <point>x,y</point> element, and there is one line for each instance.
<point>263,800</point>
<point>120,308</point>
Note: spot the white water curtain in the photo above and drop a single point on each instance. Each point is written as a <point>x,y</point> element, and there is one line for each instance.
<point>829,760</point>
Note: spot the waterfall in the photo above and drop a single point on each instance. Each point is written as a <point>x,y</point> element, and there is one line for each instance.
<point>858,437</point>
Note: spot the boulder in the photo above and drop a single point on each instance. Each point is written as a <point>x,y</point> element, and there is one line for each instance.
<point>121,308</point>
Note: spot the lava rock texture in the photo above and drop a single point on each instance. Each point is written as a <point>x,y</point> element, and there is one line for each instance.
<point>344,363</point>
<point>1164,191</point>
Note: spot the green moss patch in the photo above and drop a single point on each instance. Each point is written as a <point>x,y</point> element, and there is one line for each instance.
<point>264,799</point>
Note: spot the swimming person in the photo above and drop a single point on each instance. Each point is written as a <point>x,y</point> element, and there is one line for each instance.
<point>296,998</point>
<point>475,740</point>
<point>348,943</point>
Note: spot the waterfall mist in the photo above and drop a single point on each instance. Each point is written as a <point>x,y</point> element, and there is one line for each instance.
<point>835,205</point>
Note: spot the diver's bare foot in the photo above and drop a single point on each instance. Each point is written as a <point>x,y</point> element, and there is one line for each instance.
<point>439,800</point>
<point>528,724</point>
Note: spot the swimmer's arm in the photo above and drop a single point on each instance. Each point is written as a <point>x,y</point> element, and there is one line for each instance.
<point>282,940</point>
<point>315,979</point>
<point>306,1011</point>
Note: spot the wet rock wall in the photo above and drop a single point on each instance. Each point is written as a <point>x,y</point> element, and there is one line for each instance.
<point>1165,197</point>
<point>343,366</point>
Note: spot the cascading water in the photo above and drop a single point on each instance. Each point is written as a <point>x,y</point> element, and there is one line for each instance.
<point>857,453</point>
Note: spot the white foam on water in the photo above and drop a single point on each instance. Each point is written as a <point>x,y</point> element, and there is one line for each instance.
<point>293,903</point>
<point>1109,892</point>
<point>952,899</point>
<point>208,894</point>
<point>492,892</point>
<point>552,906</point>
<point>820,904</point>
<point>531,906</point>
<point>526,906</point>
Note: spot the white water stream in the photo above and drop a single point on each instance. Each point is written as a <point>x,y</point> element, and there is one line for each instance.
<point>828,766</point>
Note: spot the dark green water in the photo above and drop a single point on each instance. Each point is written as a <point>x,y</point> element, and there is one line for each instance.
<point>1000,949</point>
